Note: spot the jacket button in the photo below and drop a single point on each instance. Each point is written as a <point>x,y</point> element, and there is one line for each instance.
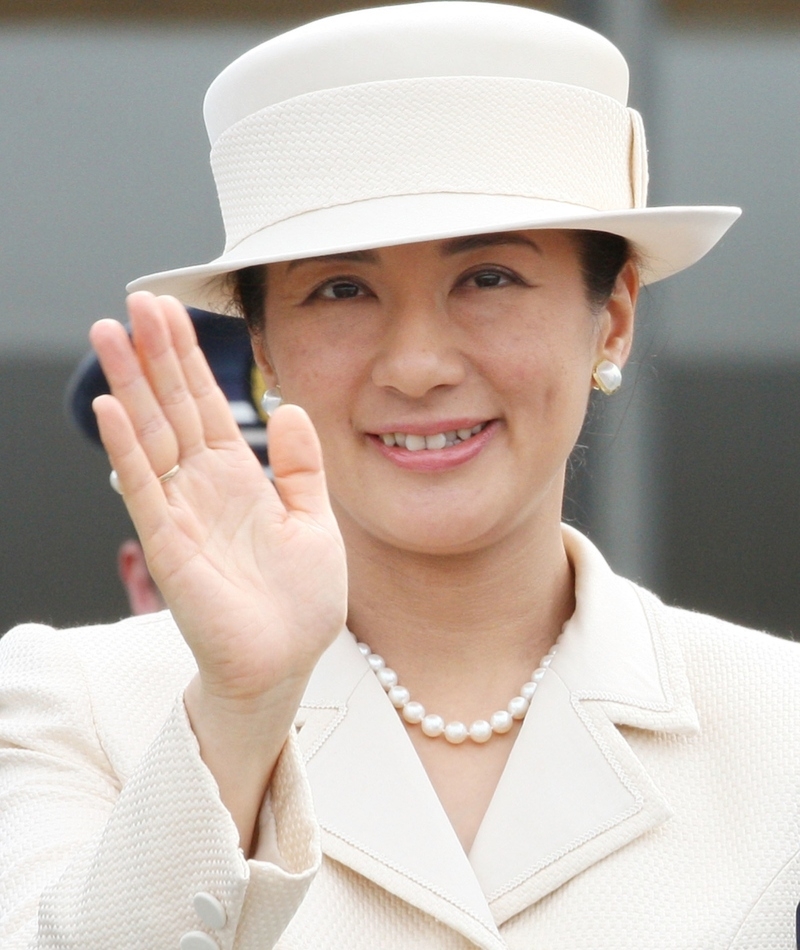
<point>197,940</point>
<point>210,910</point>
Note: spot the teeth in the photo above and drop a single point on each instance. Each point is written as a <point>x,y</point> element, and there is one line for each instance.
<point>441,440</point>
<point>415,442</point>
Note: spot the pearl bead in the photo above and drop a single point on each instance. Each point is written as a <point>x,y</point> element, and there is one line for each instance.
<point>480,731</point>
<point>609,376</point>
<point>413,712</point>
<point>501,721</point>
<point>455,732</point>
<point>399,696</point>
<point>527,690</point>
<point>386,677</point>
<point>432,725</point>
<point>518,707</point>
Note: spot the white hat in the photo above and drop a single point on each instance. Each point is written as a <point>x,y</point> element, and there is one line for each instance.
<point>426,121</point>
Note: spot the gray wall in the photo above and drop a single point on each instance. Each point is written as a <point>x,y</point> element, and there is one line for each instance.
<point>104,164</point>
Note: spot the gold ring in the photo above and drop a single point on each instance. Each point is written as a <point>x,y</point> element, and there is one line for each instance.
<point>170,474</point>
<point>114,478</point>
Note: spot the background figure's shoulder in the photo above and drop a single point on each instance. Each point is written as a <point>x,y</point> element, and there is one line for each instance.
<point>121,677</point>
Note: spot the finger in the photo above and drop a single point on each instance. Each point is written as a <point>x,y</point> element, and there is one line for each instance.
<point>212,404</point>
<point>296,458</point>
<point>152,339</point>
<point>132,389</point>
<point>141,490</point>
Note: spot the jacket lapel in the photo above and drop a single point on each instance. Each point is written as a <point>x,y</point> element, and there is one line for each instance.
<point>376,807</point>
<point>572,792</point>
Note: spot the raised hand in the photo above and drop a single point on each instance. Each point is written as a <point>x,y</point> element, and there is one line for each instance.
<point>254,573</point>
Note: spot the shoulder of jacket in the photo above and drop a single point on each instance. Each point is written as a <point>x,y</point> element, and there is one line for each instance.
<point>124,676</point>
<point>725,652</point>
<point>153,634</point>
<point>695,623</point>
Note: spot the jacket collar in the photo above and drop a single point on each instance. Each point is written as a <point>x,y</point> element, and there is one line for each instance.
<point>571,794</point>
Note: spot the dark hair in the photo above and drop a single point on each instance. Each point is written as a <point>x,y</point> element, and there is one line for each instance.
<point>248,288</point>
<point>602,257</point>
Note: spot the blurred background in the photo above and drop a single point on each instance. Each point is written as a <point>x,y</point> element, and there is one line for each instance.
<point>688,479</point>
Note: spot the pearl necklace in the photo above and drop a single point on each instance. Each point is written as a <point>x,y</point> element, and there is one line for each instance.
<point>455,732</point>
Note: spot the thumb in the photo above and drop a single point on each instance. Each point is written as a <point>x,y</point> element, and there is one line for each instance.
<point>296,459</point>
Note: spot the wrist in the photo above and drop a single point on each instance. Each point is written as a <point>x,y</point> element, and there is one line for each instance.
<point>240,718</point>
<point>240,742</point>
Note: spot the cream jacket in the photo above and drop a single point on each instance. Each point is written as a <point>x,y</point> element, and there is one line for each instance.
<point>650,801</point>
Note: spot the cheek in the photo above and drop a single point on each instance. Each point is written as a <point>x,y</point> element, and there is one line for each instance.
<point>310,352</point>
<point>323,379</point>
<point>544,351</point>
<point>543,366</point>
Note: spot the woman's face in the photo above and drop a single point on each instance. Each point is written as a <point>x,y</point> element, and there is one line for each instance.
<point>447,380</point>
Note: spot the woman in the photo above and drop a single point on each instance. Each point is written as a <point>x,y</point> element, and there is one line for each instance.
<point>436,231</point>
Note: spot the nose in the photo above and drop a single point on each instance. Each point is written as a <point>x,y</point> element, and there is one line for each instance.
<point>419,351</point>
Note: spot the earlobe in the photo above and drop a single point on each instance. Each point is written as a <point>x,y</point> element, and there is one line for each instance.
<point>620,314</point>
<point>264,364</point>
<point>143,595</point>
<point>264,387</point>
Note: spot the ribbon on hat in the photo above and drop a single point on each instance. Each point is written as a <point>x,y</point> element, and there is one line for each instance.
<point>462,135</point>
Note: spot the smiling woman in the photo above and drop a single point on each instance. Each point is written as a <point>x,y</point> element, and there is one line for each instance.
<point>394,702</point>
<point>489,346</point>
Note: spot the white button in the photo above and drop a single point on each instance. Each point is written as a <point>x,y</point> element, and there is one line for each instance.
<point>210,910</point>
<point>197,940</point>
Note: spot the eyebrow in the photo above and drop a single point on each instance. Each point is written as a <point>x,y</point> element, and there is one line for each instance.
<point>474,242</point>
<point>459,245</point>
<point>360,257</point>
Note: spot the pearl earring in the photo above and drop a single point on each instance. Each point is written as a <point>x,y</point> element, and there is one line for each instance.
<point>271,400</point>
<point>607,377</point>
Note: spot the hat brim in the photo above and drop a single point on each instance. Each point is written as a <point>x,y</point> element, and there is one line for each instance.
<point>667,239</point>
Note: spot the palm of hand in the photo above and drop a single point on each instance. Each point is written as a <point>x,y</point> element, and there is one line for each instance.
<point>254,573</point>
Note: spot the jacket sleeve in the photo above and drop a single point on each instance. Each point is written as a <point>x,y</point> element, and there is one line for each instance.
<point>88,861</point>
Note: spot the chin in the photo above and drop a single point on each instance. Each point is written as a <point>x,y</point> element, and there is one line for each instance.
<point>441,534</point>
<point>435,522</point>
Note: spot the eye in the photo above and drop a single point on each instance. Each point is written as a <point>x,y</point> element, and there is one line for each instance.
<point>489,277</point>
<point>339,289</point>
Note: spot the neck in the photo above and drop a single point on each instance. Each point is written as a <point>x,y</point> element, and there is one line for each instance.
<point>463,630</point>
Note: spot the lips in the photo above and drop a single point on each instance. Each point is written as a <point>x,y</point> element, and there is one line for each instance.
<point>415,442</point>
<point>428,451</point>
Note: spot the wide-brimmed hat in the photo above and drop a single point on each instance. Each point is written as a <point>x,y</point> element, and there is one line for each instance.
<point>426,121</point>
<point>225,343</point>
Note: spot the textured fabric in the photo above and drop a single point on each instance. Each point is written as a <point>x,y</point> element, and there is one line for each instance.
<point>662,814</point>
<point>108,811</point>
<point>422,122</point>
<point>559,143</point>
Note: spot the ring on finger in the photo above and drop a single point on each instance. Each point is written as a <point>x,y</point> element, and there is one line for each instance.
<point>170,474</point>
<point>114,478</point>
